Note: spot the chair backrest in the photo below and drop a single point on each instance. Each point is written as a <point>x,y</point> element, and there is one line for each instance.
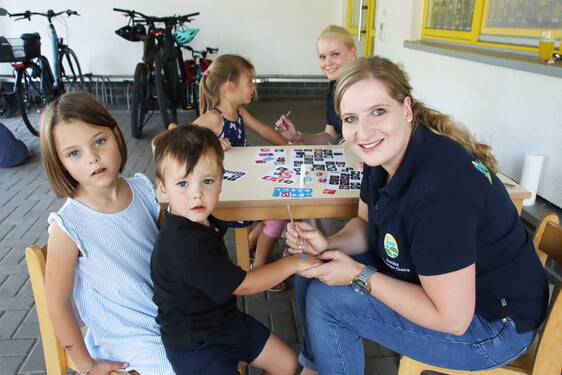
<point>548,242</point>
<point>57,359</point>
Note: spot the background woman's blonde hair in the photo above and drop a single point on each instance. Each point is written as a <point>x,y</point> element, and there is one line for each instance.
<point>338,32</point>
<point>398,87</point>
<point>223,69</point>
<point>81,106</point>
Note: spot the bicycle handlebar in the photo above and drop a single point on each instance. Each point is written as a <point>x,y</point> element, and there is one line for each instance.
<point>202,53</point>
<point>152,19</point>
<point>49,14</point>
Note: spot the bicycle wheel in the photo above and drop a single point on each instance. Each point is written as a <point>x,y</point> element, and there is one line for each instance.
<point>164,92</point>
<point>33,85</point>
<point>71,72</point>
<point>138,101</point>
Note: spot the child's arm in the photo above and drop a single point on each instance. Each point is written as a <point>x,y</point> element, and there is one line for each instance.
<point>271,274</point>
<point>211,120</point>
<point>59,283</point>
<point>264,131</point>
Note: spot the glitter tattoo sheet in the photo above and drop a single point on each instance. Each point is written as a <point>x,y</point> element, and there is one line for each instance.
<point>233,175</point>
<point>270,156</point>
<point>339,175</point>
<point>348,180</point>
<point>327,166</point>
<point>319,159</point>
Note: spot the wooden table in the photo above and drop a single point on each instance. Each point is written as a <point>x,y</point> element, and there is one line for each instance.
<point>250,198</point>
<point>517,193</point>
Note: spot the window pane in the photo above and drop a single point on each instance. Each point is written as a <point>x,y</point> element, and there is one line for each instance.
<point>450,14</point>
<point>524,14</point>
<point>358,7</point>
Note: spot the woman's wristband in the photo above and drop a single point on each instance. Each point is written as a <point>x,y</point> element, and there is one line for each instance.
<point>88,370</point>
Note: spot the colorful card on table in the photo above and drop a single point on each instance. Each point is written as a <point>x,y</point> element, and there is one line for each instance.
<point>270,156</point>
<point>287,192</point>
<point>281,174</point>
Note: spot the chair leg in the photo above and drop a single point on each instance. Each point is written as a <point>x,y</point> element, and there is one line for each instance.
<point>409,367</point>
<point>243,247</point>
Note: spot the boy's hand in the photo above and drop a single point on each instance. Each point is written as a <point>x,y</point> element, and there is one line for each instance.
<point>305,262</point>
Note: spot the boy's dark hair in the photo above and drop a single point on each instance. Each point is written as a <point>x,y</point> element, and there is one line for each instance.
<point>186,144</point>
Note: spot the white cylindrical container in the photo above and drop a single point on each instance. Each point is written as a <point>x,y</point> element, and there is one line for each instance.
<point>531,174</point>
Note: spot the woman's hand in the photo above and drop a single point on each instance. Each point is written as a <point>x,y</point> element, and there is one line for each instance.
<point>339,269</point>
<point>225,144</point>
<point>303,237</point>
<point>286,128</point>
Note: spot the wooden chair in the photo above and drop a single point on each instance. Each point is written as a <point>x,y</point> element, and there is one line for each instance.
<point>57,359</point>
<point>545,356</point>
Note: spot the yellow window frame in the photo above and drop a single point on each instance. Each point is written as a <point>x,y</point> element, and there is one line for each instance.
<point>370,30</point>
<point>479,27</point>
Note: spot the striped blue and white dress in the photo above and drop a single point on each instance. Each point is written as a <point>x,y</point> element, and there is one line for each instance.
<point>112,286</point>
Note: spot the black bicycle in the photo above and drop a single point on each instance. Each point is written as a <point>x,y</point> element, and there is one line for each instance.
<point>158,80</point>
<point>35,83</point>
<point>194,69</point>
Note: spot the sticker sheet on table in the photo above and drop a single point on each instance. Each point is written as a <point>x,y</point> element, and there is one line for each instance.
<point>325,165</point>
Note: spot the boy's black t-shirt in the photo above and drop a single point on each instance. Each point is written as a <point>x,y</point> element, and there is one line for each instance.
<point>193,281</point>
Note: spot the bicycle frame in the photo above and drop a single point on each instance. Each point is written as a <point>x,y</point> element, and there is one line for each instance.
<point>55,48</point>
<point>36,83</point>
<point>157,79</point>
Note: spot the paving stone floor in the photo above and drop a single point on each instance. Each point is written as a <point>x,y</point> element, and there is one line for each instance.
<point>26,200</point>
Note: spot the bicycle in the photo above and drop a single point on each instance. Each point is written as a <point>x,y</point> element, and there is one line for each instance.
<point>158,79</point>
<point>194,69</point>
<point>35,83</point>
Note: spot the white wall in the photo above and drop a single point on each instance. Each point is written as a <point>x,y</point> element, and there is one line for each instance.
<point>278,36</point>
<point>513,111</point>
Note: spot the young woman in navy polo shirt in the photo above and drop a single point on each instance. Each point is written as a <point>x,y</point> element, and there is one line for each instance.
<point>455,280</point>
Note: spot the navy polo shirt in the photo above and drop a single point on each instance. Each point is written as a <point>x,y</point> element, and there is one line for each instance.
<point>332,117</point>
<point>443,210</point>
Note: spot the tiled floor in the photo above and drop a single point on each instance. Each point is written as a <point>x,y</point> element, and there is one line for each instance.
<point>26,200</point>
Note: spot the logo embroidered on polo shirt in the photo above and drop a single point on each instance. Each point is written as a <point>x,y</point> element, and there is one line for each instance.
<point>390,245</point>
<point>482,168</point>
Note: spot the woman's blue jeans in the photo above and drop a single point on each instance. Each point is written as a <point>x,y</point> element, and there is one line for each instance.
<point>306,357</point>
<point>337,318</point>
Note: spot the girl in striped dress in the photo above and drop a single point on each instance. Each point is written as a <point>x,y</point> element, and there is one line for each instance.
<point>100,242</point>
